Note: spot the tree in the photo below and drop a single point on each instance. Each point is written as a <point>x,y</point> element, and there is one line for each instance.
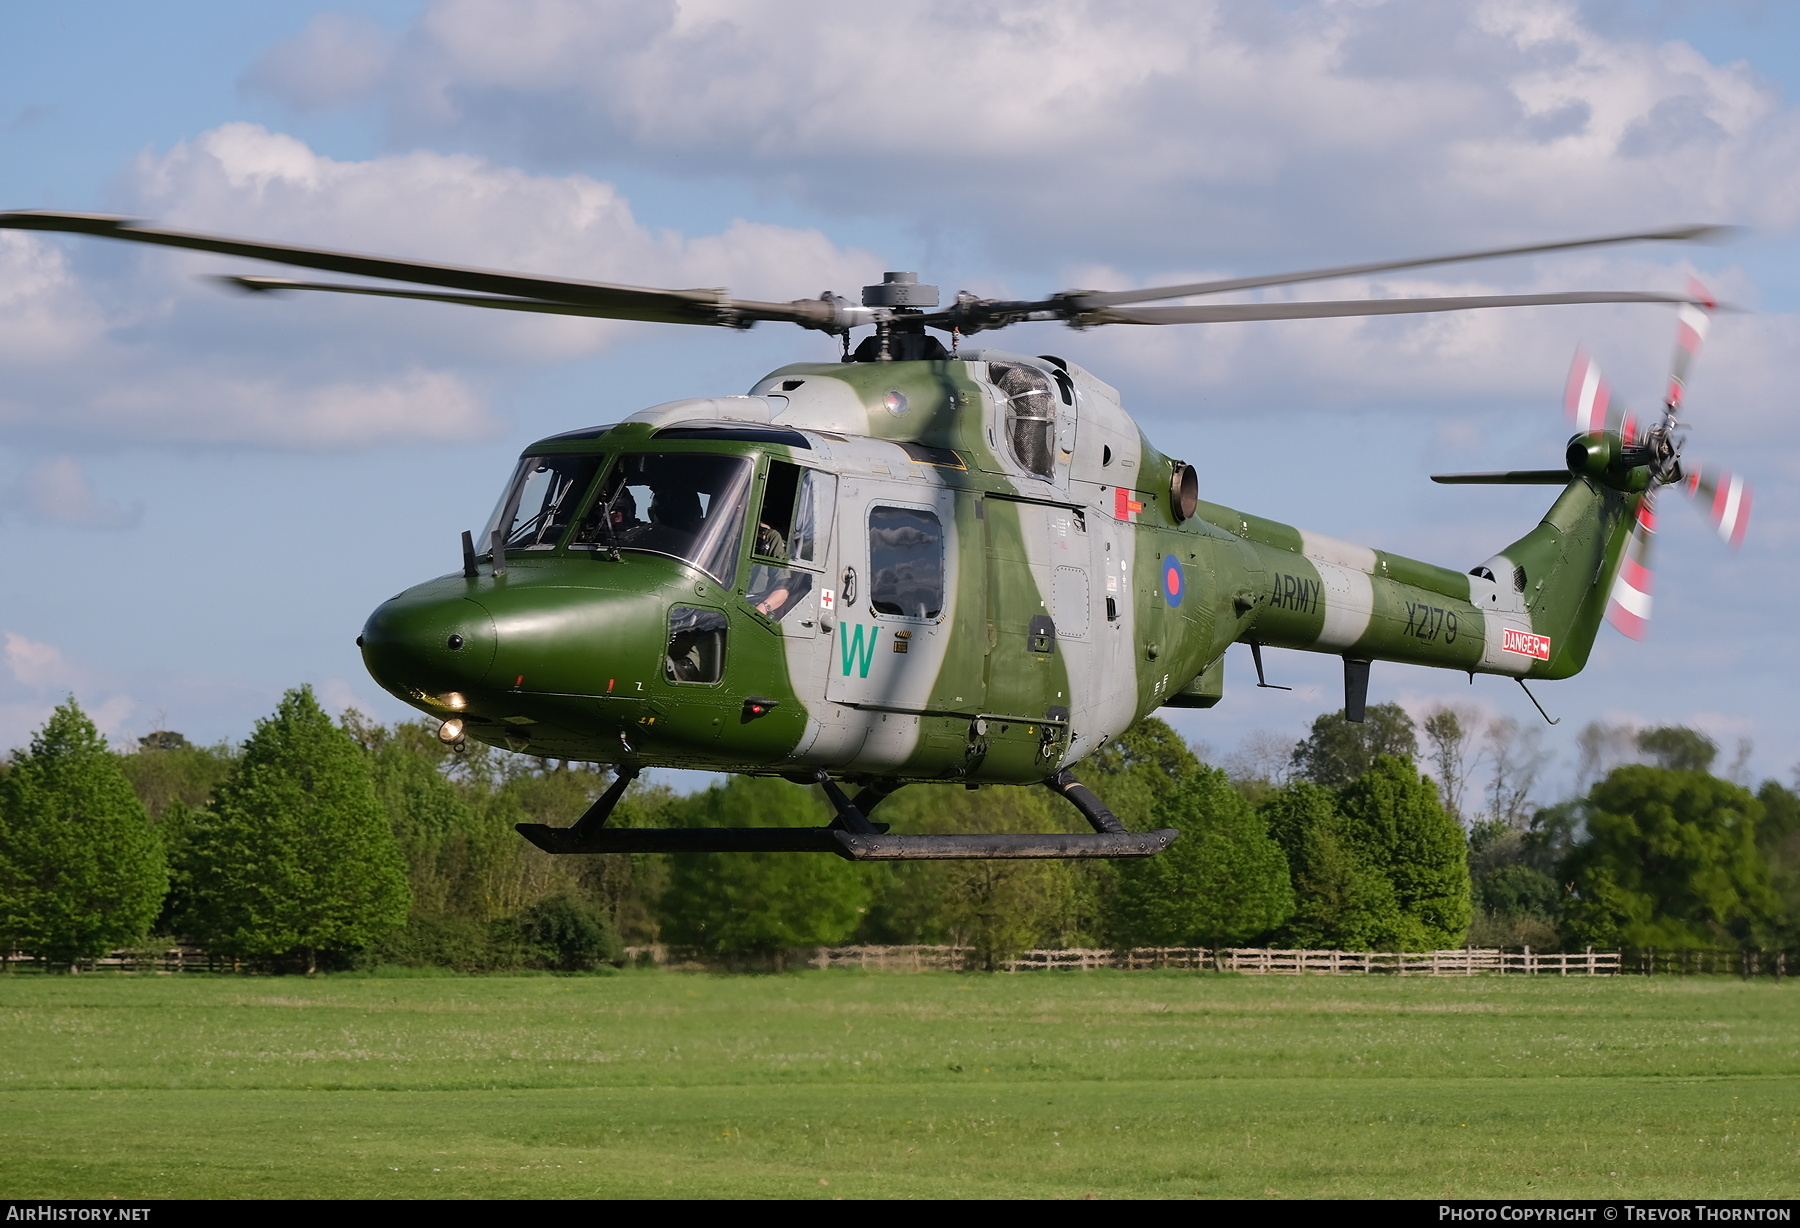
<point>996,907</point>
<point>759,903</point>
<point>296,854</point>
<point>1601,748</point>
<point>1222,883</point>
<point>1262,763</point>
<point>1516,758</point>
<point>1678,748</point>
<point>1450,734</point>
<point>1342,899</point>
<point>570,934</point>
<point>1520,891</point>
<point>1778,836</point>
<point>81,869</point>
<point>1670,860</point>
<point>433,825</point>
<point>1337,751</point>
<point>1513,871</point>
<point>168,769</point>
<point>1135,771</point>
<point>1397,820</point>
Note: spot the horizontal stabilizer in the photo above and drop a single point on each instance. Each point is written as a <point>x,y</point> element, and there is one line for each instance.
<point>851,846</point>
<point>1512,477</point>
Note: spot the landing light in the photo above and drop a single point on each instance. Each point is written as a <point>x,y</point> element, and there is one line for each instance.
<point>451,730</point>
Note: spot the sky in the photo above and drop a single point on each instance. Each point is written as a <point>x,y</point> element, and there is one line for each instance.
<point>204,495</point>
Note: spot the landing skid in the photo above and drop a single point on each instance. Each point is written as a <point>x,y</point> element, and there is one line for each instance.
<point>851,835</point>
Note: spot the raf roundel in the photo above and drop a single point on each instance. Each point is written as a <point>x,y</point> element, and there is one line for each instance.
<point>1174,584</point>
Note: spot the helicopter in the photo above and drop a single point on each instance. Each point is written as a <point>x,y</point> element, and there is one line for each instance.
<point>924,563</point>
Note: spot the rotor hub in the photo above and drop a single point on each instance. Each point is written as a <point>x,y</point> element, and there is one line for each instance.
<point>901,290</point>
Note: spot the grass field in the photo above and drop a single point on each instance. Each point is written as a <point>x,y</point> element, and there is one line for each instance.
<point>829,1084</point>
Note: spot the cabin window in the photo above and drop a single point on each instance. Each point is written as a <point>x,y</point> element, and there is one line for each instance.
<point>906,562</point>
<point>687,505</point>
<point>1030,415</point>
<point>541,500</point>
<point>696,645</point>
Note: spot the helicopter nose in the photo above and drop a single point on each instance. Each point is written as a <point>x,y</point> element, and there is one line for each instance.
<point>428,646</point>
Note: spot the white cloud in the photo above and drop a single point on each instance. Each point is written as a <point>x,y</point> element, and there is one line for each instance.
<point>49,677</point>
<point>57,491</point>
<point>1162,142</point>
<point>150,354</point>
<point>337,695</point>
<point>337,59</point>
<point>46,316</point>
<point>1118,129</point>
<point>460,209</point>
<point>36,664</point>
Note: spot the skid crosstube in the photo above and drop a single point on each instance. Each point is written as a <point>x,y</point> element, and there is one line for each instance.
<point>852,846</point>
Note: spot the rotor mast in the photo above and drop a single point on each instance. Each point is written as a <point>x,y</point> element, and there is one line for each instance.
<point>899,304</point>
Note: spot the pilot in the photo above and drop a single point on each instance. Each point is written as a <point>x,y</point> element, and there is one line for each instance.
<point>677,507</point>
<point>774,590</point>
<point>770,542</point>
<point>624,513</point>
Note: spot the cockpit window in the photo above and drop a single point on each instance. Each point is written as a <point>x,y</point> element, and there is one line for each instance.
<point>795,526</point>
<point>688,505</point>
<point>795,519</point>
<point>541,500</point>
<point>1030,415</point>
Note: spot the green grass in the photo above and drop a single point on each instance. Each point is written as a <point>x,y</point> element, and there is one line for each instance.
<point>826,1084</point>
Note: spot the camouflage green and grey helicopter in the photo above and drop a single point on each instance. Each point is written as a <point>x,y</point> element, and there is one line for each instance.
<point>928,564</point>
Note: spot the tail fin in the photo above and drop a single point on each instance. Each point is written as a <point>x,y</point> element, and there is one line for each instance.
<point>1564,569</point>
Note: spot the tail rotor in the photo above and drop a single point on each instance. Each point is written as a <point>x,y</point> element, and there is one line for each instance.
<point>1592,408</point>
<point>1628,605</point>
<point>1727,496</point>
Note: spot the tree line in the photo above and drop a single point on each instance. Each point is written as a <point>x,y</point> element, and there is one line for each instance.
<point>335,843</point>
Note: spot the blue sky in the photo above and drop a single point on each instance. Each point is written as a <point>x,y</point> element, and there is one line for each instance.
<point>205,496</point>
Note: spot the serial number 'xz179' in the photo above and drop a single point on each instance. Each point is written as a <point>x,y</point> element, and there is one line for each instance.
<point>1429,622</point>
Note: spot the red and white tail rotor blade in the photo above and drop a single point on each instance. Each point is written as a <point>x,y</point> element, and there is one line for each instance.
<point>1727,496</point>
<point>1628,607</point>
<point>1587,396</point>
<point>1589,401</point>
<point>1690,335</point>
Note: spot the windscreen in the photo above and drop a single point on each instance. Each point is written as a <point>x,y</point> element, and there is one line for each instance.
<point>541,500</point>
<point>688,505</point>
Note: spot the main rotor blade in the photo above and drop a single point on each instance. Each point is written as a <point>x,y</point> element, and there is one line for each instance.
<point>277,285</point>
<point>1227,312</point>
<point>615,301</point>
<point>1119,297</point>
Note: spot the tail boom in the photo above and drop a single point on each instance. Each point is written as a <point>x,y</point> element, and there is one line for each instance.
<point>1531,611</point>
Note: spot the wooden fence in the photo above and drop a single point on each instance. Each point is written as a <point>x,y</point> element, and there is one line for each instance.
<point>1258,960</point>
<point>148,959</point>
<point>1255,960</point>
<point>1470,961</point>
